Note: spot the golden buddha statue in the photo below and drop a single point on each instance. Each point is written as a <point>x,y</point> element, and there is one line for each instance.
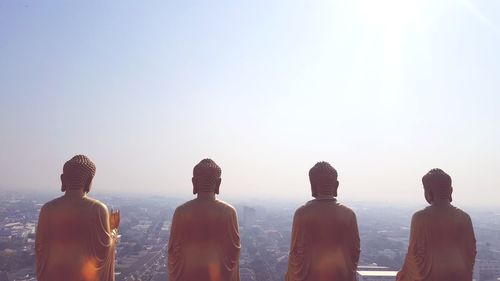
<point>76,235</point>
<point>442,244</point>
<point>204,240</point>
<point>325,242</point>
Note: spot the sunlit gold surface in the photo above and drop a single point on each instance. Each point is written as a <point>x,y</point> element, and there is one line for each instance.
<point>204,242</point>
<point>442,246</point>
<point>74,241</point>
<point>325,243</point>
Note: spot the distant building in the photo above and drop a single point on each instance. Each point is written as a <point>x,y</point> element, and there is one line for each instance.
<point>248,217</point>
<point>488,270</point>
<point>3,276</point>
<point>160,276</point>
<point>247,274</point>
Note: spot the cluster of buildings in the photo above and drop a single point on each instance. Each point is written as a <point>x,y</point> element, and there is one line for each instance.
<point>18,217</point>
<point>265,236</point>
<point>144,230</point>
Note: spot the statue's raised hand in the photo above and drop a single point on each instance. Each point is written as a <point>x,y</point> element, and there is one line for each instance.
<point>114,219</point>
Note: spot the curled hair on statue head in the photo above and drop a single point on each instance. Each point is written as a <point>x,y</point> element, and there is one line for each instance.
<point>323,178</point>
<point>437,184</point>
<point>78,172</point>
<point>206,176</point>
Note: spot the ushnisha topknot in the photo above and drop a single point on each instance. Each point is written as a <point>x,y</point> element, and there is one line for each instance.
<point>436,178</point>
<point>208,173</point>
<point>323,178</point>
<point>321,171</point>
<point>78,170</point>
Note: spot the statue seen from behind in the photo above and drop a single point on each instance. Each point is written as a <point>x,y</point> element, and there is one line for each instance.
<point>442,244</point>
<point>204,237</point>
<point>325,243</point>
<point>76,235</point>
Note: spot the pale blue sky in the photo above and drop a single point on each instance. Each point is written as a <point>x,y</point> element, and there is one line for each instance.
<point>383,90</point>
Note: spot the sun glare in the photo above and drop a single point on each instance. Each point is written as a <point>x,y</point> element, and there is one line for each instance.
<point>390,13</point>
<point>385,25</point>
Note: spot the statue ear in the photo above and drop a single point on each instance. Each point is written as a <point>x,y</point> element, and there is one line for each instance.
<point>217,186</point>
<point>313,190</point>
<point>195,190</point>
<point>88,184</point>
<point>63,186</point>
<point>451,191</point>
<point>335,188</point>
<point>429,197</point>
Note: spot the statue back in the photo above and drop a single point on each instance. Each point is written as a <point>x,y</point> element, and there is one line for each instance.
<point>442,245</point>
<point>204,242</point>
<point>325,242</point>
<point>73,241</point>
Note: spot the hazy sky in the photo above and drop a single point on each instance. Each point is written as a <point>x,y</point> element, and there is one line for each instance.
<point>383,90</point>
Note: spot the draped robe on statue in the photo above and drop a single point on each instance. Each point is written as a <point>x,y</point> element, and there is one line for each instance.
<point>325,243</point>
<point>442,246</point>
<point>74,242</point>
<point>204,242</point>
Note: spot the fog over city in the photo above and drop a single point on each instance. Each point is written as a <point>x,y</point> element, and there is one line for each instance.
<point>383,90</point>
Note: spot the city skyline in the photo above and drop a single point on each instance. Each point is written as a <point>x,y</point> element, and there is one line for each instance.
<point>265,237</point>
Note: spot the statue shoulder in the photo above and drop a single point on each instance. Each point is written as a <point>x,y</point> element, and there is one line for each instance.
<point>52,204</point>
<point>47,207</point>
<point>462,213</point>
<point>96,204</point>
<point>312,205</point>
<point>185,206</point>
<point>422,215</point>
<point>458,210</point>
<point>226,206</point>
<point>346,209</point>
<point>306,209</point>
<point>302,209</point>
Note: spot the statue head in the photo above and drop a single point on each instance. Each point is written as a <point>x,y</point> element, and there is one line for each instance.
<point>437,185</point>
<point>206,177</point>
<point>78,173</point>
<point>323,178</point>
